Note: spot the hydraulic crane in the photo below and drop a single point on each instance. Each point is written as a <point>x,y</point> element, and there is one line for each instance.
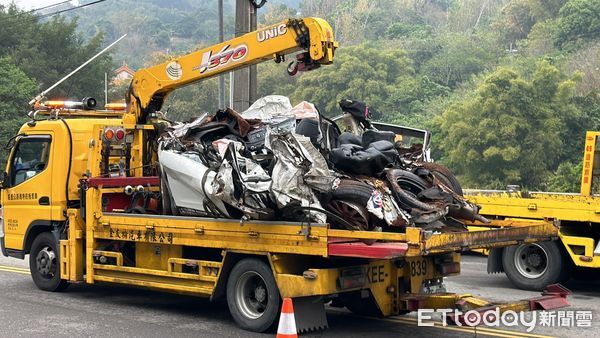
<point>150,86</point>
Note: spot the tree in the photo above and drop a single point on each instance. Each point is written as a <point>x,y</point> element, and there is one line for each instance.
<point>47,51</point>
<point>359,72</point>
<point>515,21</point>
<point>16,89</point>
<point>579,21</point>
<point>459,57</point>
<point>511,130</point>
<point>274,13</point>
<point>193,100</point>
<point>566,178</point>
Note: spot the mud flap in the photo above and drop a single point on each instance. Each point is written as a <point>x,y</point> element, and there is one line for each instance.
<point>494,262</point>
<point>310,314</point>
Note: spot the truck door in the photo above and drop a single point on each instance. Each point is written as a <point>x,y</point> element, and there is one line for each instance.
<point>27,187</point>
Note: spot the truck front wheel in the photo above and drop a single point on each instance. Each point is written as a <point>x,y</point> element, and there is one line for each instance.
<point>534,266</point>
<point>252,295</point>
<point>44,263</point>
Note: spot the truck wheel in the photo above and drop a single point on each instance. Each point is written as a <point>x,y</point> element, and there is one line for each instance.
<point>252,295</point>
<point>536,265</point>
<point>44,263</point>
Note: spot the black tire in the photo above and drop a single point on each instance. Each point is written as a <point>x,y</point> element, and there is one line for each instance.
<point>534,266</point>
<point>348,202</point>
<point>354,191</point>
<point>445,175</point>
<point>250,307</point>
<point>44,263</point>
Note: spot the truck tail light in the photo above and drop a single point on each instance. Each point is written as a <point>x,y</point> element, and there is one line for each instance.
<point>109,134</point>
<point>449,267</point>
<point>351,278</point>
<point>120,134</point>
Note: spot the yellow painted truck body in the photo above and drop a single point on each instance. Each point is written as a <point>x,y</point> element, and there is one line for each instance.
<point>67,202</point>
<point>311,263</point>
<point>576,214</point>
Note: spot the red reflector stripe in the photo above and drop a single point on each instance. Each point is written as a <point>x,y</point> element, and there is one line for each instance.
<point>375,250</point>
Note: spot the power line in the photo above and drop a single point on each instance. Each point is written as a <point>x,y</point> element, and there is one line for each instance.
<point>53,5</point>
<point>70,9</point>
<point>30,16</point>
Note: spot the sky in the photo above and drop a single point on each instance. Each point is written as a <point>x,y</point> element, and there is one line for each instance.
<point>31,4</point>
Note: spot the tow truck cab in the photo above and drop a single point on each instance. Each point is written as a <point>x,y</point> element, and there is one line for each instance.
<point>47,158</point>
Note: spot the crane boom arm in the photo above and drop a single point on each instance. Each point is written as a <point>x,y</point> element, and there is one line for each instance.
<point>150,86</point>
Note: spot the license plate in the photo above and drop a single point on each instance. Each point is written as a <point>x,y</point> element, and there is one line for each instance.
<point>418,267</point>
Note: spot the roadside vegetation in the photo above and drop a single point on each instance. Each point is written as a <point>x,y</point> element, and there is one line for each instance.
<point>508,87</point>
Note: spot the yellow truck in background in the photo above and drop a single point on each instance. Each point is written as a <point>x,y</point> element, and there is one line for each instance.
<point>531,266</point>
<point>68,202</point>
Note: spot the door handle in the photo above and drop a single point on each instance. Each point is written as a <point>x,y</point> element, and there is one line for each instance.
<point>44,200</point>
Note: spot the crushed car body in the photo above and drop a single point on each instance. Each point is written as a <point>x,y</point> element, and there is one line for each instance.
<point>276,161</point>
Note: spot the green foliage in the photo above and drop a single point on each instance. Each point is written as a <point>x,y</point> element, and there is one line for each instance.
<point>154,26</point>
<point>8,129</point>
<point>399,30</point>
<point>566,178</point>
<point>512,131</point>
<point>274,79</point>
<point>16,89</point>
<point>469,70</point>
<point>193,100</point>
<point>515,21</point>
<point>47,51</point>
<point>360,72</point>
<point>579,21</point>
<point>459,57</point>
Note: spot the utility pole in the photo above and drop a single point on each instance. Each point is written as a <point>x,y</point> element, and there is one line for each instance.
<point>221,77</point>
<point>244,80</point>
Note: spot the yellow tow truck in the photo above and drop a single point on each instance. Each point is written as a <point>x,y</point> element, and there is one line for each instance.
<point>67,188</point>
<point>532,266</point>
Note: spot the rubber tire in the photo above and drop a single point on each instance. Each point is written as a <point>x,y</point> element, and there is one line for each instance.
<point>55,284</point>
<point>356,192</point>
<point>271,315</point>
<point>353,191</point>
<point>558,271</point>
<point>445,175</point>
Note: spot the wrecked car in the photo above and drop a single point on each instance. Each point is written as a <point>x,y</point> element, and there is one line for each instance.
<point>275,161</point>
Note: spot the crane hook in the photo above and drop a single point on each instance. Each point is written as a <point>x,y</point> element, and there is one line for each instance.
<point>292,68</point>
<point>258,4</point>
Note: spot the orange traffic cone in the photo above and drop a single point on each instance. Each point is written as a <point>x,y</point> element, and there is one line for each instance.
<point>287,322</point>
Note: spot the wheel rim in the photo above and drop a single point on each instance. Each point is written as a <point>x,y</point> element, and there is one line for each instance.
<point>531,260</point>
<point>46,262</point>
<point>353,214</point>
<point>251,295</point>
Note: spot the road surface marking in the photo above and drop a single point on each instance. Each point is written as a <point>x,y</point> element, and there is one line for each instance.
<point>474,330</point>
<point>438,325</point>
<point>486,329</point>
<point>410,321</point>
<point>14,269</point>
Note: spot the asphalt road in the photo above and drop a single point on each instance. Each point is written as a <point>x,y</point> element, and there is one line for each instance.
<point>113,311</point>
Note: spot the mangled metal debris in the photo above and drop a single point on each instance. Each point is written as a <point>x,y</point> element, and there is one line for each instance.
<point>275,161</point>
